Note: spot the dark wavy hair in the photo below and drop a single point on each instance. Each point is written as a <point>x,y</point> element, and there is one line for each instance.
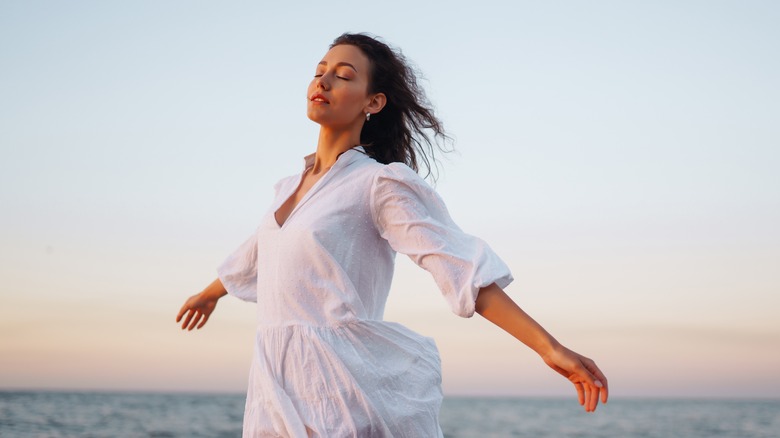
<point>406,130</point>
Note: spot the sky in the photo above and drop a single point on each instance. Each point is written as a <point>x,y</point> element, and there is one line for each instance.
<point>621,157</point>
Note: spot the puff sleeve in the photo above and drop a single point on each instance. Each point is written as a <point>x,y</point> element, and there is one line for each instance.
<point>238,273</point>
<point>412,217</point>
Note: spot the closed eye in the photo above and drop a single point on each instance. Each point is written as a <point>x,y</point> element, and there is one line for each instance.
<point>339,77</point>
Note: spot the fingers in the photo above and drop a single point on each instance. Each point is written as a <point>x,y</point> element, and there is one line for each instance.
<point>198,316</point>
<point>592,395</point>
<point>604,385</point>
<point>194,319</point>
<point>601,380</point>
<point>580,393</point>
<point>587,395</point>
<point>195,313</point>
<point>202,323</point>
<point>591,384</point>
<point>181,312</point>
<point>189,314</point>
<point>584,374</point>
<point>188,306</point>
<point>593,398</point>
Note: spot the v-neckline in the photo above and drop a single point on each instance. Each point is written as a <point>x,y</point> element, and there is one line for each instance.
<point>341,161</point>
<point>300,201</point>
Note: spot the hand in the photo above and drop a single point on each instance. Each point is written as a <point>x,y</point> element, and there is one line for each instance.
<point>197,309</point>
<point>587,378</point>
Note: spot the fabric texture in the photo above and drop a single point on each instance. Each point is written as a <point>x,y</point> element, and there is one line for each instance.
<point>325,364</point>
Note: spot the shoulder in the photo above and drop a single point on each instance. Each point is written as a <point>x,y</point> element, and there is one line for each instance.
<point>400,195</point>
<point>397,172</point>
<point>398,184</point>
<point>395,176</point>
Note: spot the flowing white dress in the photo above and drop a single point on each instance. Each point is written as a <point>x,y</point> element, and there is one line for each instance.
<point>325,364</point>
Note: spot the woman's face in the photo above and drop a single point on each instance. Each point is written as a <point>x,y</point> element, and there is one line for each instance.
<point>338,94</point>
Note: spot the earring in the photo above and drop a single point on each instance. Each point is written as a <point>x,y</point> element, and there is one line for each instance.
<point>368,116</point>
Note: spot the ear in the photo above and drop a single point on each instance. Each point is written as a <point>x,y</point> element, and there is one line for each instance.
<point>376,103</point>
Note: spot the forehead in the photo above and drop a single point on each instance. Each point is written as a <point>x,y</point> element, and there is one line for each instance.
<point>344,53</point>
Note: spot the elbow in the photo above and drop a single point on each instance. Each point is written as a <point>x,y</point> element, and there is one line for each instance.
<point>486,297</point>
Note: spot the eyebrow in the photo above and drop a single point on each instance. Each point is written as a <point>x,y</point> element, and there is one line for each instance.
<point>339,64</point>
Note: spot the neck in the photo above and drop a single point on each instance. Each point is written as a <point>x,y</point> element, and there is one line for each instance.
<point>330,145</point>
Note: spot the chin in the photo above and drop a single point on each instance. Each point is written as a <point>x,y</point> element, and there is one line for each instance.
<point>316,114</point>
<point>316,118</point>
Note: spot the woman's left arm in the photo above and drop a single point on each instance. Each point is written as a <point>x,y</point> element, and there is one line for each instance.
<point>496,306</point>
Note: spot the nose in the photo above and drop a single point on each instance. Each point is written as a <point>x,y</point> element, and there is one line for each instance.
<point>323,83</point>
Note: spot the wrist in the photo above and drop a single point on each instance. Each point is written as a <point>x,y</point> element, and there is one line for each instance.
<point>548,347</point>
<point>210,294</point>
<point>214,291</point>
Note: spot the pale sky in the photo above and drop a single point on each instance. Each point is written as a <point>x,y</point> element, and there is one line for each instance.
<point>621,157</point>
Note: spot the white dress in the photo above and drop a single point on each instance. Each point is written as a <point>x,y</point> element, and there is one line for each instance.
<point>325,364</point>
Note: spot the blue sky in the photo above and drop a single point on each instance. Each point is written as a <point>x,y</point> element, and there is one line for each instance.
<point>621,157</point>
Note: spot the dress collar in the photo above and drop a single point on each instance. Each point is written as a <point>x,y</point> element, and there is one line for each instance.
<point>345,158</point>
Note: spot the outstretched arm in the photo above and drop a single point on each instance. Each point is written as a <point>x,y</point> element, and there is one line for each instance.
<point>496,306</point>
<point>198,307</point>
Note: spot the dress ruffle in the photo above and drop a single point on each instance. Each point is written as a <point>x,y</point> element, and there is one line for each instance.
<point>375,377</point>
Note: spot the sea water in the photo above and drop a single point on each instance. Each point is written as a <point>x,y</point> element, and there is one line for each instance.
<point>100,414</point>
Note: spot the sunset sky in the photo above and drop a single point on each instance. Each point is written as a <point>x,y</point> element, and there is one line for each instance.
<point>623,158</point>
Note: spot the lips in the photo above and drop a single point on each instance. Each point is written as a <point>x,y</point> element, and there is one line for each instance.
<point>319,98</point>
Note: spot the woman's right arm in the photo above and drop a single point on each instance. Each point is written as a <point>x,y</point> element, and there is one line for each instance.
<point>197,309</point>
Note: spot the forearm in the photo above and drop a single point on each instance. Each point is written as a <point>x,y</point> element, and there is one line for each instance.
<point>496,306</point>
<point>589,381</point>
<point>215,290</point>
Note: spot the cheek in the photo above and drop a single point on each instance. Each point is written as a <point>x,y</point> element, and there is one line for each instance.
<point>356,96</point>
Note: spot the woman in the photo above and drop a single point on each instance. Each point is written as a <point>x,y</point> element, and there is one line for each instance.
<point>320,265</point>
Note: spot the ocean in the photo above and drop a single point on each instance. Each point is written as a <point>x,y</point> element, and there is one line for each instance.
<point>103,414</point>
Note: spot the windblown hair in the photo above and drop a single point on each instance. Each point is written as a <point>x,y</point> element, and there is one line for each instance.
<point>406,130</point>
